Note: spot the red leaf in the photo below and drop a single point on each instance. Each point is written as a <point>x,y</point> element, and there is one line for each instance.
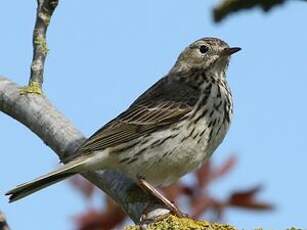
<point>203,174</point>
<point>225,168</point>
<point>173,192</point>
<point>99,220</point>
<point>85,187</point>
<point>246,199</point>
<point>89,220</point>
<point>199,206</point>
<point>207,173</point>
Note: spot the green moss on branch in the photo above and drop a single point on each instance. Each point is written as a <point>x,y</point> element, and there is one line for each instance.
<point>176,223</point>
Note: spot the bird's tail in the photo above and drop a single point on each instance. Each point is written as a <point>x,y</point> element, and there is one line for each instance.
<point>58,175</point>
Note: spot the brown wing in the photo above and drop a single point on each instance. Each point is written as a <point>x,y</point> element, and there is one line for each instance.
<point>137,121</point>
<point>162,105</point>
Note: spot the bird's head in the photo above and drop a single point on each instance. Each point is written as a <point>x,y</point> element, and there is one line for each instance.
<point>206,53</point>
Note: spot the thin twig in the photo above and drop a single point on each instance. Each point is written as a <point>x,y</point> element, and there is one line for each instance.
<point>3,223</point>
<point>45,9</point>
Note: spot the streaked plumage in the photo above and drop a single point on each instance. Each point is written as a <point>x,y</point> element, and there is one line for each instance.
<point>168,131</point>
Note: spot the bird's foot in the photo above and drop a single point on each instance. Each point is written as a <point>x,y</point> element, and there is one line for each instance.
<point>150,216</point>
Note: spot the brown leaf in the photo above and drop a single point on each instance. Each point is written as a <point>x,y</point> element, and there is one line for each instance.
<point>85,187</point>
<point>199,205</point>
<point>203,174</point>
<point>90,220</point>
<point>207,173</point>
<point>246,199</point>
<point>173,192</point>
<point>99,220</point>
<point>225,168</point>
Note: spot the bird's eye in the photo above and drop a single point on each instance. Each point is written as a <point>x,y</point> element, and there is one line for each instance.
<point>203,49</point>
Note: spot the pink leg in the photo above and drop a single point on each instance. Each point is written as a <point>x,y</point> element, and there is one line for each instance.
<point>149,188</point>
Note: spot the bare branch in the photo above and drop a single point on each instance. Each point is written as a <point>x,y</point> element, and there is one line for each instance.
<point>3,223</point>
<point>45,9</point>
<point>227,7</point>
<point>40,116</point>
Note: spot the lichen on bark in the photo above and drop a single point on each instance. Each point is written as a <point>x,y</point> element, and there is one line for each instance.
<point>176,223</point>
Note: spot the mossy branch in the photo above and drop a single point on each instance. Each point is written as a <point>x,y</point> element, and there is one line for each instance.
<point>45,9</point>
<point>176,223</point>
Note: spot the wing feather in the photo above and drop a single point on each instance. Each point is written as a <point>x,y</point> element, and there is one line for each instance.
<point>134,123</point>
<point>160,107</point>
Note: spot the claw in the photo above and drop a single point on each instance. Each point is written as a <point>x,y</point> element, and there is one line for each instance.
<point>154,215</point>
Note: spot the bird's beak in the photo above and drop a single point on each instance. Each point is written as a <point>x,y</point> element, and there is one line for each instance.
<point>230,51</point>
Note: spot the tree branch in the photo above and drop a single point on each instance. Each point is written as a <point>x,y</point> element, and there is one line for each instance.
<point>40,116</point>
<point>3,223</point>
<point>45,9</point>
<point>227,7</point>
<point>33,109</point>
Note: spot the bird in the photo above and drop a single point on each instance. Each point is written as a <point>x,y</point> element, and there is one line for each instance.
<point>168,131</point>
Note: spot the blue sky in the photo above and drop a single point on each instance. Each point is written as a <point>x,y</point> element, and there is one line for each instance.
<point>103,54</point>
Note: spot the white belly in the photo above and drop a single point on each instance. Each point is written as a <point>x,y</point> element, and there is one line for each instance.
<point>164,164</point>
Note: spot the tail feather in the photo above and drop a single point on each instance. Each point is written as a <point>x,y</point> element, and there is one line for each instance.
<point>58,175</point>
